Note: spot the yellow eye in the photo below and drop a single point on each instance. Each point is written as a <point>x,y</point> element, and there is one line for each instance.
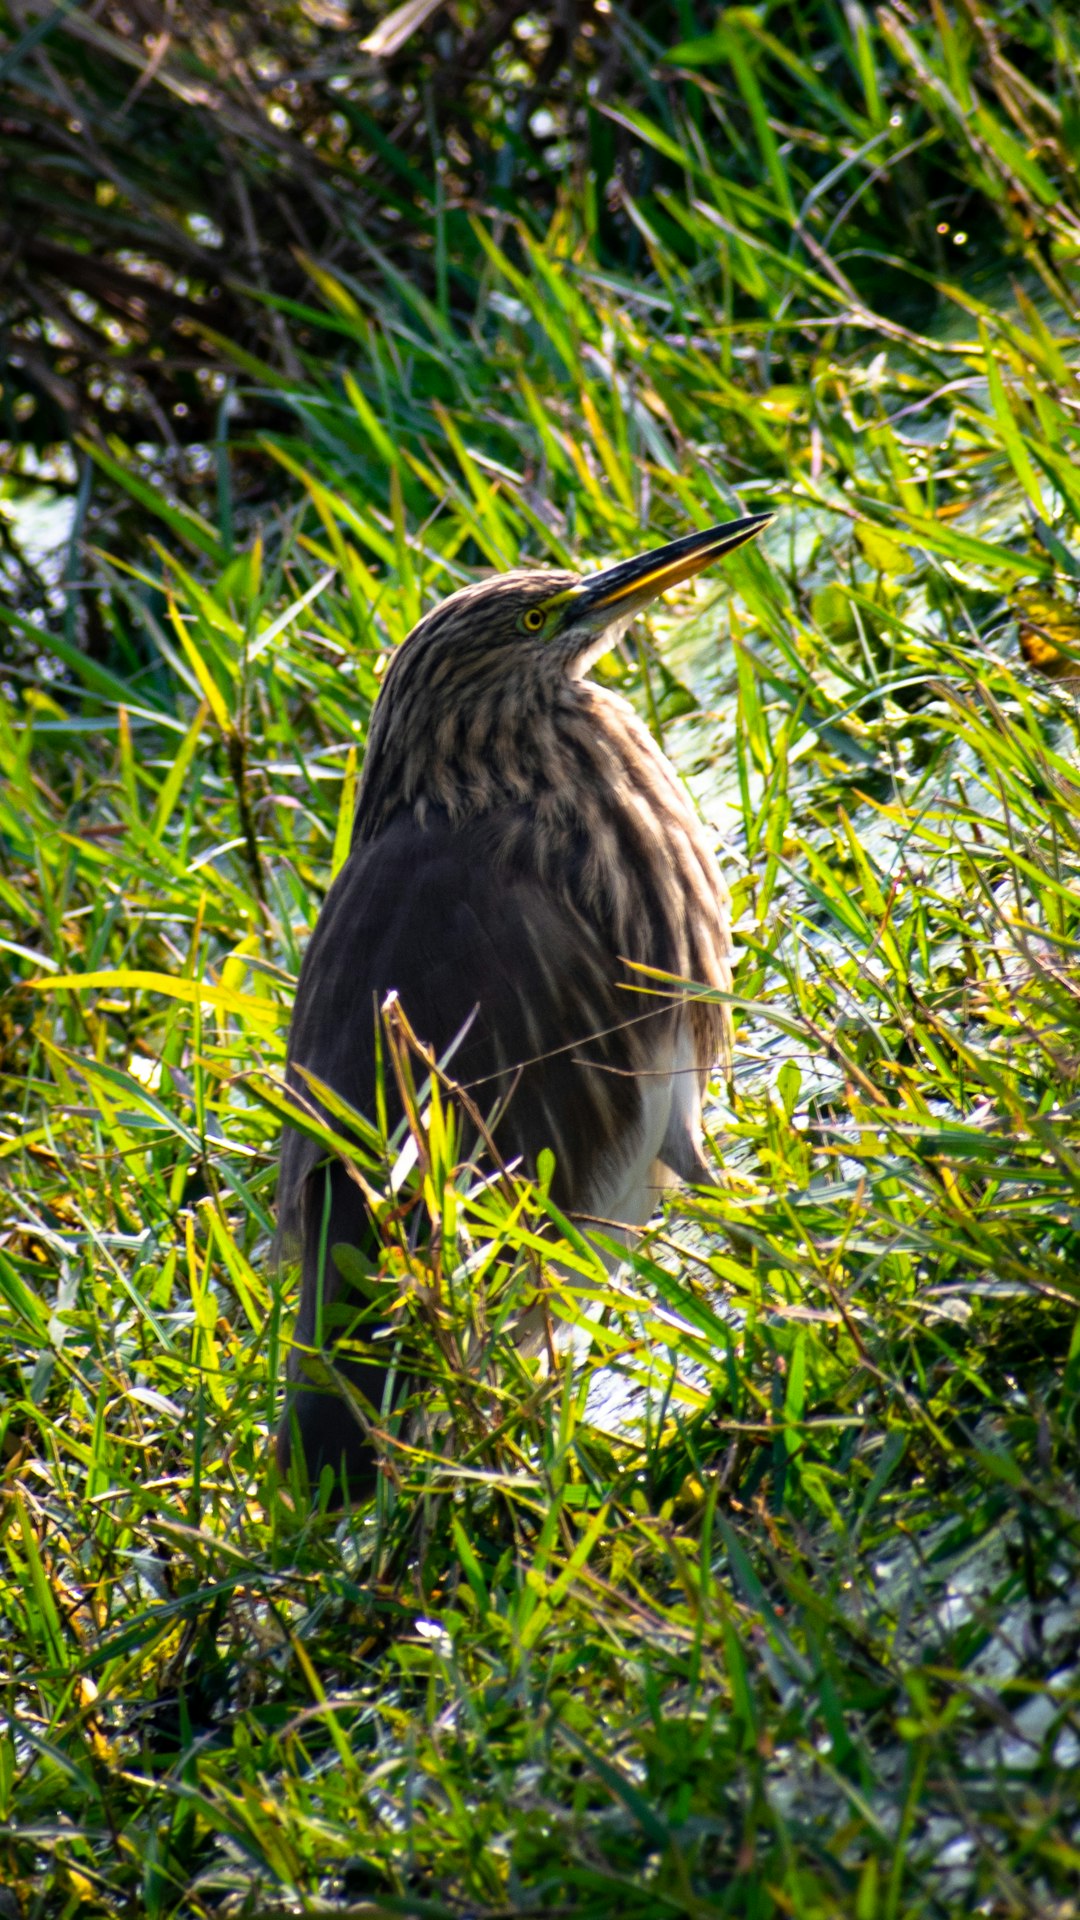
<point>533,620</point>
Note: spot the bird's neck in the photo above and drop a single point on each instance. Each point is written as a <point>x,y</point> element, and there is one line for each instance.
<point>562,784</point>
<point>506,747</point>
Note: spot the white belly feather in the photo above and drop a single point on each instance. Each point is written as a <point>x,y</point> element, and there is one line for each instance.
<point>667,1145</point>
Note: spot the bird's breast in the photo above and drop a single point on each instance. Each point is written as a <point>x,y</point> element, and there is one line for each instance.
<point>623,834</point>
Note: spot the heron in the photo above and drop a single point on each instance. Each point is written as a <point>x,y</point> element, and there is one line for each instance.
<point>521,845</point>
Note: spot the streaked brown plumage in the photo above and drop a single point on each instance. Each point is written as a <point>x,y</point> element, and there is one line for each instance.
<point>519,838</point>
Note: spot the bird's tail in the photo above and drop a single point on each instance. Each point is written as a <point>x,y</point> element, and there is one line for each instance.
<point>334,1393</point>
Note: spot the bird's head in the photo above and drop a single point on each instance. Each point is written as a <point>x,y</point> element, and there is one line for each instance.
<point>558,618</point>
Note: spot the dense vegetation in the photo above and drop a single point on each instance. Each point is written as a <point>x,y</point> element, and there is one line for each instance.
<point>767,1604</point>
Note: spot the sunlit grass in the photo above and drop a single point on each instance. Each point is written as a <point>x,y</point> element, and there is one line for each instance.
<point>766,1603</point>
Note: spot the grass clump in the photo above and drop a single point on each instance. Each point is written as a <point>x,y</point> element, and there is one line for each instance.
<point>767,1605</point>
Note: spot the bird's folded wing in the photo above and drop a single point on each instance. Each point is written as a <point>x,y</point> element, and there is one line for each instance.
<point>548,1041</point>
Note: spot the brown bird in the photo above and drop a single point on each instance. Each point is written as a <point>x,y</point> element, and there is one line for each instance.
<point>519,840</point>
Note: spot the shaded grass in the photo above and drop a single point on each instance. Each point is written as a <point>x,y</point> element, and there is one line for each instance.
<point>787,1626</point>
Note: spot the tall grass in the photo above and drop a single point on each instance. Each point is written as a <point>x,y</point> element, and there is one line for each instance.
<point>765,1604</point>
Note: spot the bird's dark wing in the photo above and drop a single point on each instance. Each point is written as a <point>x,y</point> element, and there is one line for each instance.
<point>548,1030</point>
<point>550,1047</point>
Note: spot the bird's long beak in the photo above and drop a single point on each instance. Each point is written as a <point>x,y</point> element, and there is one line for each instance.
<point>622,590</point>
